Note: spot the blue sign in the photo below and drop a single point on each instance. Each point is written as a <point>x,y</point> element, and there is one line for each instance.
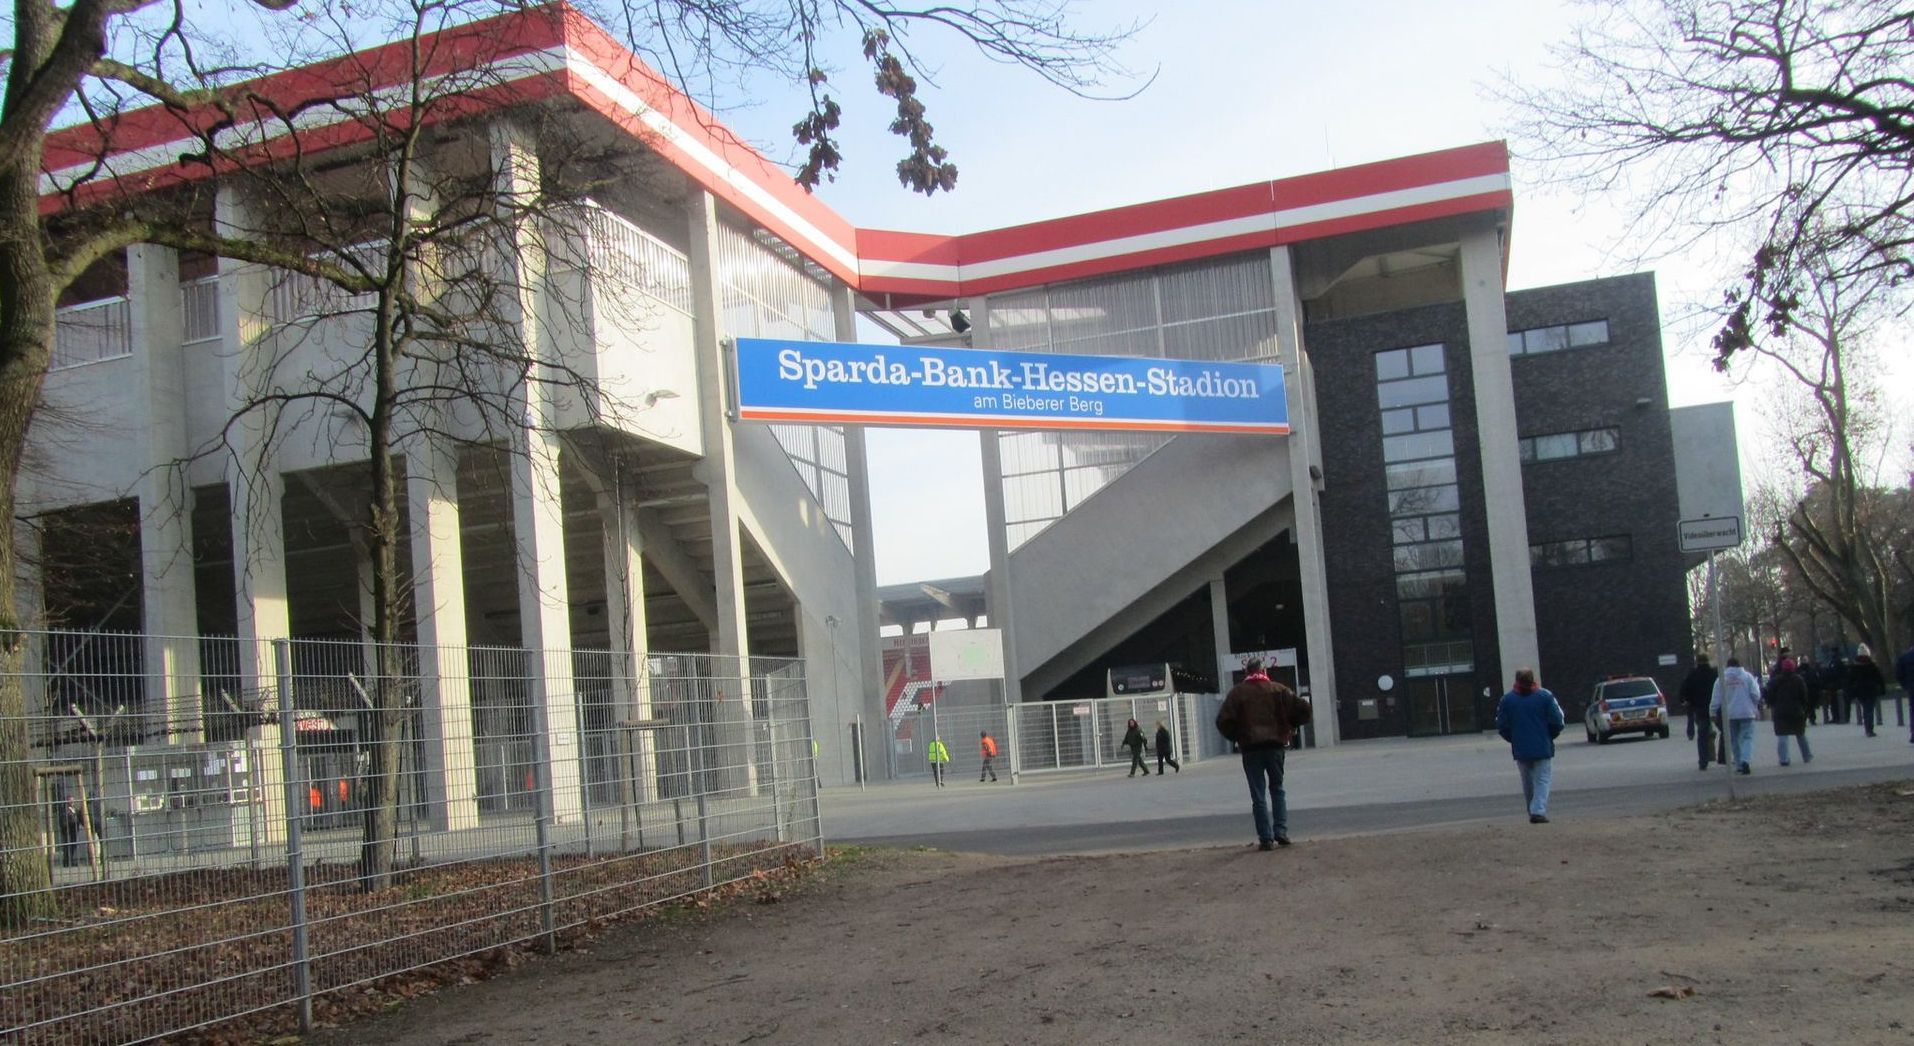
<point>836,382</point>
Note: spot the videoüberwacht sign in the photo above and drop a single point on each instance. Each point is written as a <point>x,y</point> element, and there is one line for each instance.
<point>840,382</point>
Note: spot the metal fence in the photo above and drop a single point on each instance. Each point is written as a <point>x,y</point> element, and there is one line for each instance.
<point>1040,736</point>
<point>201,829</point>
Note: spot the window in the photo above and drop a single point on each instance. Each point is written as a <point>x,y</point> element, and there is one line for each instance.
<point>1555,339</point>
<point>1579,551</point>
<point>1419,475</point>
<point>1558,445</point>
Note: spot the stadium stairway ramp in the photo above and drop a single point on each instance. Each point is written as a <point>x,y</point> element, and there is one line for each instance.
<point>1181,516</point>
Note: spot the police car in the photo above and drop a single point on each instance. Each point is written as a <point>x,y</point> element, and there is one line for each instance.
<point>1625,705</point>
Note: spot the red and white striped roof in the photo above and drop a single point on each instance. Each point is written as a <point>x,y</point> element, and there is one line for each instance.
<point>557,51</point>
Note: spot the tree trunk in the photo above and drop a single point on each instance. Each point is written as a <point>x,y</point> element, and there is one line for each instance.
<point>26,343</point>
<point>382,544</point>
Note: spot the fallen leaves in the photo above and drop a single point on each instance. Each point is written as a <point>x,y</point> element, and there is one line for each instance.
<point>1673,991</point>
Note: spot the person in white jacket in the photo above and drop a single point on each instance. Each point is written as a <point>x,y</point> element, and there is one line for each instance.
<point>1737,696</point>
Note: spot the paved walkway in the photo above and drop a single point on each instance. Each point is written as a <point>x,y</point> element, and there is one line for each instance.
<point>1359,786</point>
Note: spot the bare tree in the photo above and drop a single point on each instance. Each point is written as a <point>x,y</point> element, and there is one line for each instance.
<point>91,61</point>
<point>1788,122</point>
<point>1837,433</point>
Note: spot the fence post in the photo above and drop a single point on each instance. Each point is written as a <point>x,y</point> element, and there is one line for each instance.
<point>543,813</point>
<point>290,772</point>
<point>703,783</point>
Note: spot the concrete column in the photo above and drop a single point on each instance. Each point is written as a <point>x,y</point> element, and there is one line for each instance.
<point>731,711</point>
<point>870,653</point>
<point>1482,298</point>
<point>257,490</point>
<point>538,519</point>
<point>438,599</point>
<point>625,615</point>
<point>996,530</point>
<point>169,614</point>
<point>1305,464</point>
<point>1219,632</point>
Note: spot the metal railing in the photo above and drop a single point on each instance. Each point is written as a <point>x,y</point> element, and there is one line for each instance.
<point>217,829</point>
<point>89,333</point>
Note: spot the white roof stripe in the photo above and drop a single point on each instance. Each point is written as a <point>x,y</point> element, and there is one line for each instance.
<point>506,70</point>
<point>1192,234</point>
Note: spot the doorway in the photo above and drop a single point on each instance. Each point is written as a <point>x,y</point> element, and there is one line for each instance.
<point>1442,705</point>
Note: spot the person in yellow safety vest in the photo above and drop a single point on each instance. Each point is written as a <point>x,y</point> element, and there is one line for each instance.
<point>987,747</point>
<point>939,755</point>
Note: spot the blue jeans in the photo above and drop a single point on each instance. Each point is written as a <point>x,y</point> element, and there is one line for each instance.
<point>1781,746</point>
<point>1263,767</point>
<point>1537,775</point>
<point>1741,740</point>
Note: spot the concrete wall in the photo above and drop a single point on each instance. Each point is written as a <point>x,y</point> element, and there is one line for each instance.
<point>804,548</point>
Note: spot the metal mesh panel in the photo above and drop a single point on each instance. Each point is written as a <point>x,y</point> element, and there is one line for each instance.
<point>360,812</point>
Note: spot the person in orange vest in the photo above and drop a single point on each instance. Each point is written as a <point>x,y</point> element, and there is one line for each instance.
<point>987,747</point>
<point>345,794</point>
<point>315,799</point>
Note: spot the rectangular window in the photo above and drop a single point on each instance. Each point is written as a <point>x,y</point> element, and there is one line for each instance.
<point>1558,445</point>
<point>1579,551</point>
<point>1411,391</point>
<point>1419,474</point>
<point>1554,339</point>
<point>1418,445</point>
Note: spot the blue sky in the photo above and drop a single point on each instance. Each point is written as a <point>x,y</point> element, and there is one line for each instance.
<point>1244,91</point>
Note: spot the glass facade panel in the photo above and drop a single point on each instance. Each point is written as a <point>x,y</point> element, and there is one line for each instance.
<point>767,290</point>
<point>1595,333</point>
<point>1432,389</point>
<point>1216,309</point>
<point>1426,359</point>
<point>1418,445</point>
<point>1561,445</point>
<point>1418,453</point>
<point>1600,441</point>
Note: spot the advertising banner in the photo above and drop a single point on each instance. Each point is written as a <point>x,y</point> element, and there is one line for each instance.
<point>838,382</point>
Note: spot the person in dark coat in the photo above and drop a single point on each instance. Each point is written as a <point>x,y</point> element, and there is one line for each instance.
<point>1865,687</point>
<point>1261,716</point>
<point>1904,674</point>
<point>1788,704</point>
<point>1133,740</point>
<point>1163,753</point>
<point>1696,689</point>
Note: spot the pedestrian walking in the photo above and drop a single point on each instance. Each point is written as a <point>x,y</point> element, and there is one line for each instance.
<point>1530,719</point>
<point>1163,753</point>
<point>1696,689</point>
<point>939,759</point>
<point>1133,740</point>
<point>987,748</point>
<point>1788,704</point>
<point>72,834</point>
<point>1864,688</point>
<point>1737,699</point>
<point>1261,716</point>
<point>1904,675</point>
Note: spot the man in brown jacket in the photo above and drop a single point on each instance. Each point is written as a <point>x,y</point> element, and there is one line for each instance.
<point>1261,716</point>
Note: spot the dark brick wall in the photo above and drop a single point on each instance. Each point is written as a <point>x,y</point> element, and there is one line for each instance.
<point>1593,620</point>
<point>1603,618</point>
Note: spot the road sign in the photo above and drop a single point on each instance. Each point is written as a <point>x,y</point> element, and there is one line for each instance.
<point>1708,535</point>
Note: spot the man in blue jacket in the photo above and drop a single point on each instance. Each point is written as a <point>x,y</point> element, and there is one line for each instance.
<point>1529,719</point>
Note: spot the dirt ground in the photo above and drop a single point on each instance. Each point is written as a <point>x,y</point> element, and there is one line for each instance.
<point>1787,917</point>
